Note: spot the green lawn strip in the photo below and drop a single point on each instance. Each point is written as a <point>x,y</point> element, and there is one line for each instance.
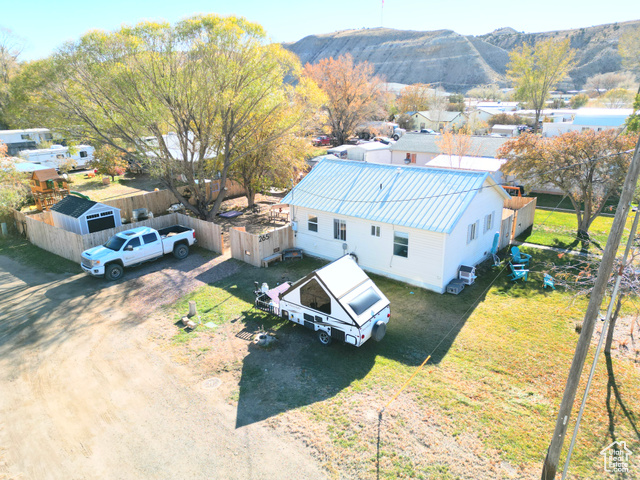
<point>559,229</point>
<point>23,251</point>
<point>554,201</point>
<point>499,375</point>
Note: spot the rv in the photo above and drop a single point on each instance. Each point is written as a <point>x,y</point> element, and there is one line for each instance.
<point>338,302</point>
<point>57,155</point>
<point>19,140</point>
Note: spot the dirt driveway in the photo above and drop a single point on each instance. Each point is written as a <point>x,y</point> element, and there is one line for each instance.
<point>85,394</point>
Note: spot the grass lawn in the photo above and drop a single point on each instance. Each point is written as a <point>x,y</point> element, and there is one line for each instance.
<point>557,201</point>
<point>129,184</point>
<point>487,398</point>
<point>558,229</point>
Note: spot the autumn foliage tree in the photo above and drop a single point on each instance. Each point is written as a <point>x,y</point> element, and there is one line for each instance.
<point>14,185</point>
<point>353,94</point>
<point>109,160</point>
<point>588,167</point>
<point>414,98</point>
<point>535,71</point>
<point>456,146</point>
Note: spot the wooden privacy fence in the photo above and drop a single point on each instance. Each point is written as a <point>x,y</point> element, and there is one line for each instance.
<point>524,211</point>
<point>71,245</point>
<point>251,248</point>
<point>156,202</point>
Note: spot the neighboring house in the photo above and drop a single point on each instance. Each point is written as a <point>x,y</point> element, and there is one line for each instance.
<point>81,216</point>
<point>28,139</point>
<point>479,164</point>
<point>372,152</point>
<point>589,119</point>
<point>497,107</point>
<point>438,120</point>
<point>56,156</point>
<point>417,149</point>
<point>47,187</point>
<point>416,225</point>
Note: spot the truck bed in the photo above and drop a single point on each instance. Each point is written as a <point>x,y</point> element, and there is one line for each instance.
<point>172,230</point>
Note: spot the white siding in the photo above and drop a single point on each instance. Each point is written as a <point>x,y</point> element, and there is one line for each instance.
<point>458,251</point>
<point>423,266</point>
<point>397,158</point>
<point>79,225</point>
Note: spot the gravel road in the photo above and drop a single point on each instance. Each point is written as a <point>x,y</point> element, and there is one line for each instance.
<point>85,394</point>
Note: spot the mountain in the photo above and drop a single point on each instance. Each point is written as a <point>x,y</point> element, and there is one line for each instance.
<point>460,62</point>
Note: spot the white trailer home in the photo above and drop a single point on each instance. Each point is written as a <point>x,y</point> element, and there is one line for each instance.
<point>338,301</point>
<point>57,155</point>
<point>18,140</point>
<point>417,225</point>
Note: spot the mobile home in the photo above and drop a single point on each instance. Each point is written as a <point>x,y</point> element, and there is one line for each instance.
<point>55,156</point>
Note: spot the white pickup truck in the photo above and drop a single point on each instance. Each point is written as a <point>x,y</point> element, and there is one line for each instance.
<point>135,246</point>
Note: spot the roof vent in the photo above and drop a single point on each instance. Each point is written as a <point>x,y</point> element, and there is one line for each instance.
<point>398,170</point>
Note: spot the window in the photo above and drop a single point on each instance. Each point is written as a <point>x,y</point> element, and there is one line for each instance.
<point>375,231</point>
<point>60,156</point>
<point>37,182</point>
<point>472,231</point>
<point>401,244</point>
<point>95,215</point>
<point>48,136</point>
<point>312,226</point>
<point>149,238</point>
<point>134,242</point>
<point>488,222</point>
<point>312,295</point>
<point>364,301</point>
<point>83,154</point>
<point>339,229</point>
<point>410,158</point>
<point>25,136</point>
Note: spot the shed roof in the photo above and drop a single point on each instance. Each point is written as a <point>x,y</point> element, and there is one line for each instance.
<point>46,174</point>
<point>481,145</point>
<point>73,206</point>
<point>426,198</point>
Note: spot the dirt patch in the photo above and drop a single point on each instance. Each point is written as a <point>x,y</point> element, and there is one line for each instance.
<point>625,337</point>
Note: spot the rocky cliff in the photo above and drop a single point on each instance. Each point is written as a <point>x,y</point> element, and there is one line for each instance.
<point>459,62</point>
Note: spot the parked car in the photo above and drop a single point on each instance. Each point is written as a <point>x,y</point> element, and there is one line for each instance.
<point>135,246</point>
<point>322,140</point>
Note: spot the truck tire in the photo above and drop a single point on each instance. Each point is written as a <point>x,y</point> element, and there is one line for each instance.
<point>396,137</point>
<point>181,251</point>
<point>379,330</point>
<point>113,271</point>
<point>324,337</point>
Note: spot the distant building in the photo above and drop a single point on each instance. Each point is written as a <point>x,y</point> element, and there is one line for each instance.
<point>478,164</point>
<point>28,139</point>
<point>589,119</point>
<point>439,120</point>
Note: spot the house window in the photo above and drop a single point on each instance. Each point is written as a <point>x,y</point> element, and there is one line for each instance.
<point>312,225</point>
<point>339,229</point>
<point>312,295</point>
<point>83,154</point>
<point>375,231</point>
<point>488,222</point>
<point>401,244</point>
<point>472,231</point>
<point>36,182</point>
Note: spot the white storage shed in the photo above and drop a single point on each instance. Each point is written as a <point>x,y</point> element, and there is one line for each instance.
<point>82,216</point>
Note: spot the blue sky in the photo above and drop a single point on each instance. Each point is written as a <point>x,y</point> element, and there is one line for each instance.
<point>45,25</point>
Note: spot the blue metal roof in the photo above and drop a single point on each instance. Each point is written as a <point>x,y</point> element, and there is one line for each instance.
<point>602,117</point>
<point>425,198</point>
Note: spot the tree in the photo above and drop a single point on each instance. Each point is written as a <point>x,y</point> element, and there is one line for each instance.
<point>414,98</point>
<point>353,94</point>
<point>578,101</point>
<point>535,71</point>
<point>508,119</point>
<point>109,160</point>
<point>455,145</point>
<point>603,82</point>
<point>487,92</point>
<point>588,167</point>
<point>629,50</point>
<point>186,100</point>
<point>617,98</point>
<point>10,49</point>
<point>14,185</point>
<point>405,121</point>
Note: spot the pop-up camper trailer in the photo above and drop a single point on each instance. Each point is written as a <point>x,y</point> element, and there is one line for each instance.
<point>338,301</point>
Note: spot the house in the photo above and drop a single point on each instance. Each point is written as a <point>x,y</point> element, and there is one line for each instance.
<point>505,130</point>
<point>417,149</point>
<point>340,151</point>
<point>497,107</point>
<point>589,119</point>
<point>416,225</point>
<point>372,152</point>
<point>479,164</point>
<point>82,216</point>
<point>47,187</point>
<point>438,120</point>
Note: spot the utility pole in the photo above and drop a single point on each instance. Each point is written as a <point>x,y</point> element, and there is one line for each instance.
<point>550,466</point>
